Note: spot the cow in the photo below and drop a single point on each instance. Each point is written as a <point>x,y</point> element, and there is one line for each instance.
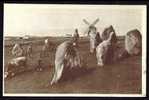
<point>133,42</point>
<point>94,37</point>
<point>17,50</point>
<point>104,51</point>
<point>66,57</point>
<point>15,65</point>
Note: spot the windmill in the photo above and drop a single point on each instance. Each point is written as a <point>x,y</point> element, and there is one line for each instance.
<point>90,25</point>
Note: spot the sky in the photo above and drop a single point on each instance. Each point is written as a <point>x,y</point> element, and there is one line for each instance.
<point>58,20</point>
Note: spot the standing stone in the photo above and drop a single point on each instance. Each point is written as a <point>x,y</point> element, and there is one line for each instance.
<point>106,33</point>
<point>133,42</point>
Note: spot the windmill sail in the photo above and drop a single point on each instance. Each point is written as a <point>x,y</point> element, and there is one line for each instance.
<point>89,25</point>
<point>95,22</point>
<point>86,22</point>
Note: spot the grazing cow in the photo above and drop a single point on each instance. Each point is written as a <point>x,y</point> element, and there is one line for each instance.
<point>17,50</point>
<point>15,65</point>
<point>133,42</point>
<point>94,38</point>
<point>106,33</point>
<point>46,48</point>
<point>67,56</point>
<point>104,51</point>
<point>29,51</point>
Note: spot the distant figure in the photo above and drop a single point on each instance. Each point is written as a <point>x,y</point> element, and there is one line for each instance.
<point>133,42</point>
<point>39,64</point>
<point>17,50</point>
<point>46,41</point>
<point>67,56</point>
<point>29,51</point>
<point>46,48</point>
<point>75,36</point>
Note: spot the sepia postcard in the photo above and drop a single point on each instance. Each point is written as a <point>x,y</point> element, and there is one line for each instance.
<point>74,50</point>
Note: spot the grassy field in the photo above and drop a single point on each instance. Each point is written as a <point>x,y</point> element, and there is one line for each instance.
<point>120,77</point>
